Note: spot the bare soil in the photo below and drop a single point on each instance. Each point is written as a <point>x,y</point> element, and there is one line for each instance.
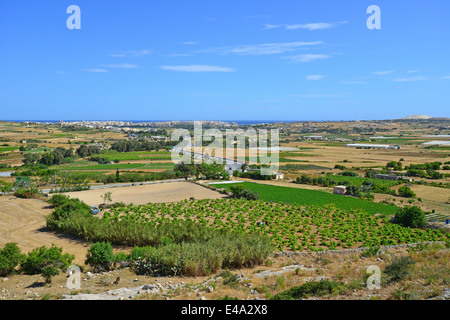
<point>142,194</point>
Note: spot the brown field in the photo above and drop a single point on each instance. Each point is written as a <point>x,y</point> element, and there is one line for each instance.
<point>160,192</point>
<point>23,221</point>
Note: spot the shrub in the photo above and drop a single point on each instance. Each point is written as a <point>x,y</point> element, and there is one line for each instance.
<point>10,258</point>
<point>27,192</point>
<point>58,200</point>
<point>309,289</point>
<point>100,256</point>
<point>412,217</point>
<point>240,192</point>
<point>370,252</point>
<point>406,192</point>
<point>398,269</point>
<point>41,257</point>
<point>48,272</point>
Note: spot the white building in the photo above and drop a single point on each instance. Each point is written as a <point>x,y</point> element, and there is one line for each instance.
<point>373,146</point>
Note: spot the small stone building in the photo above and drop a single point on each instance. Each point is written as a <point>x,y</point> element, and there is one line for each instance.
<point>339,190</point>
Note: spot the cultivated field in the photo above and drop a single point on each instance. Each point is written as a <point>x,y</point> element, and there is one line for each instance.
<point>142,194</point>
<point>23,221</point>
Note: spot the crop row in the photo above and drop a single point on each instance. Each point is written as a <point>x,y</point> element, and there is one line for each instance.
<point>290,226</point>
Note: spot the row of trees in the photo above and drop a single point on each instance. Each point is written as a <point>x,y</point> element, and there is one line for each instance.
<point>141,145</point>
<point>210,171</point>
<point>55,157</point>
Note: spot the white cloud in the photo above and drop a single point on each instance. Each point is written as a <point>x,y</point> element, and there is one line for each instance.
<point>262,49</point>
<point>413,71</point>
<point>120,66</point>
<point>315,77</point>
<point>410,79</point>
<point>95,70</point>
<point>307,26</point>
<point>380,73</point>
<point>131,53</point>
<point>177,55</point>
<point>190,43</point>
<point>308,57</point>
<point>197,68</point>
<point>446,77</point>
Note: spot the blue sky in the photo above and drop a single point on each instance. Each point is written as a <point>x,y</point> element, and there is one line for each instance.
<point>224,60</point>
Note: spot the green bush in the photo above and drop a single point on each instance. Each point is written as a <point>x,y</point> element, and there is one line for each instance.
<point>370,252</point>
<point>27,192</point>
<point>412,217</point>
<point>58,200</point>
<point>406,192</point>
<point>100,256</point>
<point>398,269</point>
<point>41,257</point>
<point>310,289</point>
<point>48,272</point>
<point>10,258</point>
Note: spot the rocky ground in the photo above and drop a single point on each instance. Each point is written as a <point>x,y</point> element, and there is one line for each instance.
<point>429,279</point>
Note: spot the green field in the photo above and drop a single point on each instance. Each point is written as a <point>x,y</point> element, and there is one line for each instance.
<point>358,181</point>
<point>312,197</point>
<point>4,149</point>
<point>137,155</point>
<point>119,166</point>
<point>290,226</point>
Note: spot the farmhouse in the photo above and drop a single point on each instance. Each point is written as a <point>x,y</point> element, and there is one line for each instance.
<point>390,177</point>
<point>339,190</point>
<point>279,176</point>
<point>313,137</point>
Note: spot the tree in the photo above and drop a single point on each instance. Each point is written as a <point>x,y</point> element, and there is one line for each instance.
<point>412,217</point>
<point>406,192</point>
<point>10,258</point>
<point>48,272</point>
<point>106,197</point>
<point>185,170</point>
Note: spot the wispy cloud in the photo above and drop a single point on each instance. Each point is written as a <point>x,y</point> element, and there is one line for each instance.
<point>177,55</point>
<point>315,77</point>
<point>306,26</point>
<point>381,73</point>
<point>197,68</point>
<point>97,70</point>
<point>308,57</point>
<point>120,66</point>
<point>413,71</point>
<point>355,82</point>
<point>190,43</point>
<point>262,49</point>
<point>446,77</point>
<point>410,79</point>
<point>130,53</point>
